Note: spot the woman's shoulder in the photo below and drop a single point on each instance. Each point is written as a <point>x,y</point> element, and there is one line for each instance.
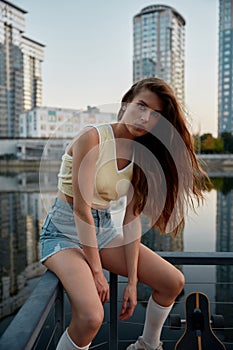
<point>91,135</point>
<point>104,131</point>
<point>94,128</point>
<point>103,126</point>
<point>87,138</point>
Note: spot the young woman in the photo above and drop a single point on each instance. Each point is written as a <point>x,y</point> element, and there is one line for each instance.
<point>148,156</point>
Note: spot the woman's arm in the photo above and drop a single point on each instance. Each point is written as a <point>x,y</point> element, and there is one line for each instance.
<point>85,152</point>
<point>132,237</point>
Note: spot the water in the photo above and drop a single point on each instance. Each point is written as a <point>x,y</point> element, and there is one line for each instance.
<point>25,198</point>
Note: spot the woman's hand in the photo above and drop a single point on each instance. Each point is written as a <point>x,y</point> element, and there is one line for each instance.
<point>129,301</point>
<point>101,286</point>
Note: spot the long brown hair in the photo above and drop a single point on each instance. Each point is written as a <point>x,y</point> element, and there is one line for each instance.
<point>167,175</point>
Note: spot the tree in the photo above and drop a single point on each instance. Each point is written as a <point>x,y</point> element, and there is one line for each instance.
<point>210,144</point>
<point>218,145</point>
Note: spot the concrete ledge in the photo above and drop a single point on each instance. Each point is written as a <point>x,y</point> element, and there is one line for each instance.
<point>28,164</point>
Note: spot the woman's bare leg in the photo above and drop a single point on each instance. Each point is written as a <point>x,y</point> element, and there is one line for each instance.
<point>166,280</point>
<point>87,312</point>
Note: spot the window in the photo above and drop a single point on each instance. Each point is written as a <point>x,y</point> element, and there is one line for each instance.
<point>52,116</point>
<point>227,25</point>
<point>69,128</point>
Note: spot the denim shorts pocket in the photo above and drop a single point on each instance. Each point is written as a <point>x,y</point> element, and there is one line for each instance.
<point>107,220</point>
<point>63,217</point>
<point>108,215</point>
<point>48,229</point>
<point>46,222</point>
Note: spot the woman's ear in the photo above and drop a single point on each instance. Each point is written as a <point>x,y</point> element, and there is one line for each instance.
<point>122,110</point>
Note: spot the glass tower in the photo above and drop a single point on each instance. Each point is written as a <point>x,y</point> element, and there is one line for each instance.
<point>159,46</point>
<point>20,80</point>
<point>225,67</point>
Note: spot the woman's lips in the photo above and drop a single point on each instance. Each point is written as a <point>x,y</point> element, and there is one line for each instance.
<point>139,127</point>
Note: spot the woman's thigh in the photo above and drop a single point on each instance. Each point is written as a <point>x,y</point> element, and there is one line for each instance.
<point>153,270</point>
<point>75,274</point>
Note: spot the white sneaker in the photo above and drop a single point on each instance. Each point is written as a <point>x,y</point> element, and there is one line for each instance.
<point>141,345</point>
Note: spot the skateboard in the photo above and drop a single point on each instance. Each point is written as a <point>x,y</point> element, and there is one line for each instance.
<point>198,333</point>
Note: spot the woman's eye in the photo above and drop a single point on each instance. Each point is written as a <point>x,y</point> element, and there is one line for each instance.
<point>155,114</point>
<point>142,107</point>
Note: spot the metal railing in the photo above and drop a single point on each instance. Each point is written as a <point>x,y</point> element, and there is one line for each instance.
<point>25,331</point>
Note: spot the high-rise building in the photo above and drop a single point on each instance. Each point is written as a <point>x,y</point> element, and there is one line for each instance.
<point>225,67</point>
<point>20,69</point>
<point>159,46</point>
<point>33,55</point>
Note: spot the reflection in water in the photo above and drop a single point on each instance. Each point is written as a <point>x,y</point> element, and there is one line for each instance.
<point>224,243</point>
<point>13,250</point>
<point>19,229</point>
<point>24,201</point>
<point>21,218</point>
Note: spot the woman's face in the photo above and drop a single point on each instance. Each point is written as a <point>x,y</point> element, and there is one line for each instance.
<point>142,113</point>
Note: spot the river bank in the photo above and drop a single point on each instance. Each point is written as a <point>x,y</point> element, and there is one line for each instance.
<point>17,165</point>
<point>211,161</point>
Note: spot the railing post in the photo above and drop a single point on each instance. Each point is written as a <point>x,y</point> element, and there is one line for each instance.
<point>113,332</point>
<point>59,314</point>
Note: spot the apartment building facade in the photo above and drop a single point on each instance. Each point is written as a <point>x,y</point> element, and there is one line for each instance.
<point>225,67</point>
<point>159,46</point>
<point>20,69</point>
<point>52,122</point>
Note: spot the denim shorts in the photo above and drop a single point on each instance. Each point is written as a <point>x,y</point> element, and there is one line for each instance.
<point>59,231</point>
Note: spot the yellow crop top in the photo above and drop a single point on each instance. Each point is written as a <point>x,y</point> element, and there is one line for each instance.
<point>110,183</point>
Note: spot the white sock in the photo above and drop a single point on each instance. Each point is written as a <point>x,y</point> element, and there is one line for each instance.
<point>155,317</point>
<point>66,343</point>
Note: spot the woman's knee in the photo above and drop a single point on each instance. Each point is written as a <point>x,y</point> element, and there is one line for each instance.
<point>170,287</point>
<point>93,321</point>
<point>90,319</point>
<point>179,282</point>
<point>175,285</point>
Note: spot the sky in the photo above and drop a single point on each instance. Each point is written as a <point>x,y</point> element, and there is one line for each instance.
<point>89,52</point>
